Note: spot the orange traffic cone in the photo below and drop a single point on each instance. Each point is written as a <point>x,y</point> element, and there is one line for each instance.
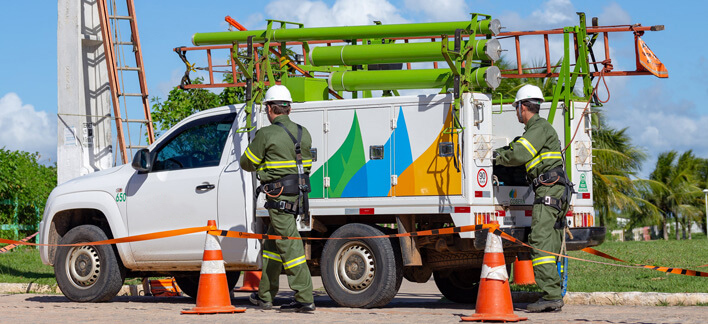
<point>494,297</point>
<point>251,280</point>
<point>523,271</point>
<point>213,295</point>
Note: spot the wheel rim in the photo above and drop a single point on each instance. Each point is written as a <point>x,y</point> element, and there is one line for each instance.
<point>355,267</point>
<point>83,266</point>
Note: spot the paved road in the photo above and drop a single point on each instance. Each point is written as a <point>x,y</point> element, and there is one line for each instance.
<point>415,303</point>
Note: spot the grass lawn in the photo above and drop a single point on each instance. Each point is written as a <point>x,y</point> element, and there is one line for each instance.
<point>686,254</point>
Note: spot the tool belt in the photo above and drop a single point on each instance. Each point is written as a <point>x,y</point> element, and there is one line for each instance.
<point>288,185</point>
<point>555,176</point>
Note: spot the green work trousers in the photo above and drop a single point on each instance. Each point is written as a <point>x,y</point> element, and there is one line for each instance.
<point>284,254</point>
<point>545,237</point>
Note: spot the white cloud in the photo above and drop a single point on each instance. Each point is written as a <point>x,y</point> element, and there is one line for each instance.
<point>613,14</point>
<point>24,128</point>
<point>658,122</point>
<point>440,10</point>
<point>342,12</point>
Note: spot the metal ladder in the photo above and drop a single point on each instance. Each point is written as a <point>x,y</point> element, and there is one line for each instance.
<point>116,64</point>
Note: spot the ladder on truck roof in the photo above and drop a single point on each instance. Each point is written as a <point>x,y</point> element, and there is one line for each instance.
<point>116,61</point>
<point>463,53</point>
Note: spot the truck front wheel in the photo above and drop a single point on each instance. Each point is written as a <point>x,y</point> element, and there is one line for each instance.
<point>88,273</point>
<point>361,272</point>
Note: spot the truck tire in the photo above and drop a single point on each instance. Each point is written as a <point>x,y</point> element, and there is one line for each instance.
<point>459,286</point>
<point>189,282</point>
<point>89,273</point>
<point>362,273</point>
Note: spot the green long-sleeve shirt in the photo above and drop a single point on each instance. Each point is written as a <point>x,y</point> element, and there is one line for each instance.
<point>538,149</point>
<point>272,152</point>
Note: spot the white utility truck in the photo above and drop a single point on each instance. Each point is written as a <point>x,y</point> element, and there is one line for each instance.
<point>382,165</point>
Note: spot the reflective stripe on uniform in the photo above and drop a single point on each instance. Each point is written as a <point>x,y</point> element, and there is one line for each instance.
<point>284,164</point>
<point>294,262</point>
<point>528,146</point>
<point>252,156</point>
<point>543,260</point>
<point>272,256</point>
<point>542,156</point>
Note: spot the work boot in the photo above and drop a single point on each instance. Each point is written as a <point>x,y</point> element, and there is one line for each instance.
<point>256,300</point>
<point>299,307</point>
<point>543,305</point>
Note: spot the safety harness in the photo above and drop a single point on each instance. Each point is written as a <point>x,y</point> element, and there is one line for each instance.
<point>552,177</point>
<point>293,184</point>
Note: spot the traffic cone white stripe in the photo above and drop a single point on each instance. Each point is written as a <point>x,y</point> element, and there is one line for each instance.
<point>494,244</point>
<point>213,267</point>
<point>498,273</point>
<point>211,243</point>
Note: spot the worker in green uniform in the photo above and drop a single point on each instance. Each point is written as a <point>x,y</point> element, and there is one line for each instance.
<point>540,151</point>
<point>280,153</point>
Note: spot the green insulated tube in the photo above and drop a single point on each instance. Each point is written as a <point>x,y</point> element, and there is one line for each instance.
<point>388,80</point>
<point>485,77</point>
<point>486,27</point>
<point>396,53</point>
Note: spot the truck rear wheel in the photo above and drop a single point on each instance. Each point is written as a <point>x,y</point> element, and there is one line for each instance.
<point>189,282</point>
<point>459,286</point>
<point>361,272</point>
<point>89,273</point>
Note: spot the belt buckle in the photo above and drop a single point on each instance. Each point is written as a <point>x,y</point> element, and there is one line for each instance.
<point>547,200</point>
<point>281,205</point>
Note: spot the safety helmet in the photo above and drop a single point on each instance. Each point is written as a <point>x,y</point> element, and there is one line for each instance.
<point>278,93</point>
<point>528,92</point>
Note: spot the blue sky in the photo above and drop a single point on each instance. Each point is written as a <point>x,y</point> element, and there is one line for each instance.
<point>661,114</point>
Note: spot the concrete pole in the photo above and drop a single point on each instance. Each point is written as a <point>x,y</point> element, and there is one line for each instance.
<point>84,118</point>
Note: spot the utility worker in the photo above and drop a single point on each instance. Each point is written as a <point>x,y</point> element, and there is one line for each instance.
<point>280,153</point>
<point>539,150</point>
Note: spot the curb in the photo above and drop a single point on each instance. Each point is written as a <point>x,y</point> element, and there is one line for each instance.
<point>633,298</point>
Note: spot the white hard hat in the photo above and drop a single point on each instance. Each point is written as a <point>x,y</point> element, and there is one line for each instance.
<point>278,93</point>
<point>528,92</point>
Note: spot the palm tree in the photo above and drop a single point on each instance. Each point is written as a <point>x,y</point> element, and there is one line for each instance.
<point>678,192</point>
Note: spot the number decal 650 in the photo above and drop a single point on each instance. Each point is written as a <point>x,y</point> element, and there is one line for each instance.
<point>121,196</point>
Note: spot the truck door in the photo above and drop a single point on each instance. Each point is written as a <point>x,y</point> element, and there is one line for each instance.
<point>179,191</point>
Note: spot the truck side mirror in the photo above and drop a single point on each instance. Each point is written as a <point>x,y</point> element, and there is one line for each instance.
<point>142,160</point>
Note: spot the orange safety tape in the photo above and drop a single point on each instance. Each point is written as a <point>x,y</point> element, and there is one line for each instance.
<point>598,253</point>
<point>440,231</point>
<point>12,246</point>
<point>135,238</point>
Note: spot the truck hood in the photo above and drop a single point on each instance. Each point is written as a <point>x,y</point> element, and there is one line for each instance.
<point>102,180</point>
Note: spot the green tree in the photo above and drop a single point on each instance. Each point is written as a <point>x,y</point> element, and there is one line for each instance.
<point>182,103</point>
<point>26,183</point>
<point>677,191</point>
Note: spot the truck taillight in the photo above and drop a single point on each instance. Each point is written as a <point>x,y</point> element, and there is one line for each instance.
<point>484,218</point>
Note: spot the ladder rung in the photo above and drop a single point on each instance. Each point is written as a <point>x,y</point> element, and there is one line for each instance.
<point>120,17</point>
<point>128,68</point>
<point>130,94</point>
<point>136,146</point>
<point>142,121</point>
<point>124,43</point>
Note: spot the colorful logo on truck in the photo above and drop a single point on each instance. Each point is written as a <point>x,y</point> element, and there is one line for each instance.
<point>352,176</point>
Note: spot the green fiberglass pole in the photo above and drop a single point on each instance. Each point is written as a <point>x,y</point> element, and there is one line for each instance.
<point>485,27</point>
<point>485,77</point>
<point>487,50</point>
